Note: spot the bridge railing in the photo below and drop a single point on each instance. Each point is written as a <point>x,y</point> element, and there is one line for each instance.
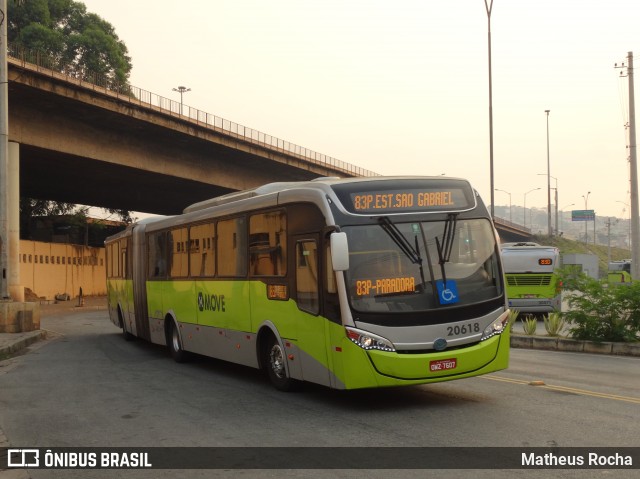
<point>45,64</point>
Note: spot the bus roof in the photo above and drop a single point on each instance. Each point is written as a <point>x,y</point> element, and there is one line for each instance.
<point>321,183</point>
<point>250,193</point>
<point>129,228</point>
<point>522,244</point>
<point>355,196</point>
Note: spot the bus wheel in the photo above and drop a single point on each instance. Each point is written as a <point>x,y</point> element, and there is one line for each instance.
<point>175,346</point>
<point>125,334</point>
<point>274,362</point>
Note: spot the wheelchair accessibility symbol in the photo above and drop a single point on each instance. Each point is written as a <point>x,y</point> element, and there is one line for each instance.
<point>448,294</point>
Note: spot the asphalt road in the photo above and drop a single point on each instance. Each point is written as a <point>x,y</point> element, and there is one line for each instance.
<point>87,387</point>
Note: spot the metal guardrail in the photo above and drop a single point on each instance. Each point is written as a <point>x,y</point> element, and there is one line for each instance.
<point>43,63</point>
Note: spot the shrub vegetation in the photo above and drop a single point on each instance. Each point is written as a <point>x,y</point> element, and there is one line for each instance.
<point>601,312</point>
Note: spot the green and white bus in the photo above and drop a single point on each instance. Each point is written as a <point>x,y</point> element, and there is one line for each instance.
<point>531,271</point>
<point>620,272</point>
<point>348,283</point>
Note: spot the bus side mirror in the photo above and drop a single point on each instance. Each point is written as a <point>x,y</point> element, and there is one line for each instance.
<point>339,251</point>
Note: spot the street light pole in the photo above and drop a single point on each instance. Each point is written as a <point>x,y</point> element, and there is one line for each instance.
<point>548,179</point>
<point>627,209</point>
<point>556,198</point>
<point>562,213</point>
<point>525,206</point>
<point>182,90</point>
<point>489,7</point>
<point>556,207</point>
<point>510,216</point>
<point>586,235</point>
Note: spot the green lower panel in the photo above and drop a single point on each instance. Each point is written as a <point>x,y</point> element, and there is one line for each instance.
<point>119,292</point>
<point>242,306</point>
<point>437,364</point>
<point>357,368</point>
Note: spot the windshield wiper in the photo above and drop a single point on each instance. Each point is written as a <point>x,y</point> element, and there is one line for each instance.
<point>446,246</point>
<point>399,239</point>
<point>411,252</point>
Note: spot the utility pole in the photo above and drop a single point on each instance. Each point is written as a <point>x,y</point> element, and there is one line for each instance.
<point>633,175</point>
<point>633,164</point>
<point>608,225</point>
<point>4,158</point>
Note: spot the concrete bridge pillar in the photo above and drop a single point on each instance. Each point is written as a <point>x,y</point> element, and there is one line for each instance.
<point>16,315</point>
<point>16,290</point>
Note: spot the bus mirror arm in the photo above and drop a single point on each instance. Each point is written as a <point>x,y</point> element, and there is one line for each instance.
<point>339,251</point>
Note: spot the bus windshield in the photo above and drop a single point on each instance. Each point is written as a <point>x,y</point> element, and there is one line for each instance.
<point>419,266</point>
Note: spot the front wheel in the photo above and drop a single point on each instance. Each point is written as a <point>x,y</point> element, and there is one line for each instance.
<point>274,362</point>
<point>175,345</point>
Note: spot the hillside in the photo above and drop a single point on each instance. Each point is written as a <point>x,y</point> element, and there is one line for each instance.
<point>567,246</point>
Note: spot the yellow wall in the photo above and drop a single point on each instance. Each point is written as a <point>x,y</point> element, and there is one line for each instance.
<point>56,268</point>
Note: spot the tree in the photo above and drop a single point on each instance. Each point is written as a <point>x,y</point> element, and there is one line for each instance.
<point>81,44</point>
<point>30,208</point>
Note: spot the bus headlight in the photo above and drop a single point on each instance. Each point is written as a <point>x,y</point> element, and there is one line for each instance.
<point>496,327</point>
<point>368,341</point>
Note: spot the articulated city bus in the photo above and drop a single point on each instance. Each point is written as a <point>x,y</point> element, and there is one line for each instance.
<point>352,283</point>
<point>531,271</point>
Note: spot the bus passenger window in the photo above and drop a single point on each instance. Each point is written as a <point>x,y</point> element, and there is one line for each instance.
<point>157,255</point>
<point>232,247</point>
<point>178,254</point>
<point>123,272</point>
<point>267,244</point>
<point>201,252</point>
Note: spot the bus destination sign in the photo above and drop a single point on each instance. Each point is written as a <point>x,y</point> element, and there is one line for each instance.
<point>408,200</point>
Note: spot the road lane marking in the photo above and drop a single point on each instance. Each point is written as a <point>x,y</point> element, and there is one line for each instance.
<point>582,392</point>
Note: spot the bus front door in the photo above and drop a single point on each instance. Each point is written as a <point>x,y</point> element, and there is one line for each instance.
<point>311,326</point>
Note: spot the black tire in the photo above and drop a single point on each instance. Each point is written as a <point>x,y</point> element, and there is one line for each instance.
<point>125,334</point>
<point>175,345</point>
<point>273,361</point>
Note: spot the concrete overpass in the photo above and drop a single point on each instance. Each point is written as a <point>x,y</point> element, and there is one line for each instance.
<point>511,232</point>
<point>133,150</point>
<point>80,142</point>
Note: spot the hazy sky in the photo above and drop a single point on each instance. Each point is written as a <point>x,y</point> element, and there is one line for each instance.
<point>401,87</point>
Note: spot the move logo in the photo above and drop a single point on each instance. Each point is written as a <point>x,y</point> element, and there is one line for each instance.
<point>211,302</point>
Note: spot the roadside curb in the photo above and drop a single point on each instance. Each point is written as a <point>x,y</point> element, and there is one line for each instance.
<point>20,341</point>
<point>574,345</point>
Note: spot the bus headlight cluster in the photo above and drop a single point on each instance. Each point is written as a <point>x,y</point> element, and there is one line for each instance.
<point>496,327</point>
<point>369,341</point>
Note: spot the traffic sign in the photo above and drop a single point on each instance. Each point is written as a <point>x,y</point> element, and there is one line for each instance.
<point>583,215</point>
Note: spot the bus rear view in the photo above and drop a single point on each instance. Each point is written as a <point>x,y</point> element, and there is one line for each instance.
<point>533,285</point>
